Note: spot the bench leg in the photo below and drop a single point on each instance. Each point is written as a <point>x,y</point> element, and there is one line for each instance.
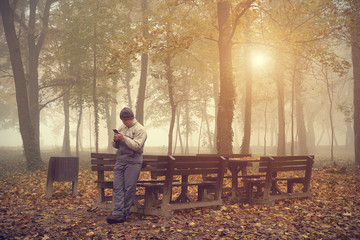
<point>290,186</point>
<point>49,188</point>
<point>150,200</point>
<point>249,192</point>
<point>291,182</point>
<point>75,187</point>
<point>100,197</point>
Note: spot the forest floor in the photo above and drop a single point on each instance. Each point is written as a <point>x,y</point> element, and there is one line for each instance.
<point>25,213</point>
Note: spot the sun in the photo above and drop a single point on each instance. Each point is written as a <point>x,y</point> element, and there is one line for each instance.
<point>258,59</point>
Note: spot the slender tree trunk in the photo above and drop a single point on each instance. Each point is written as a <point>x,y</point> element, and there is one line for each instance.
<point>265,127</point>
<point>311,131</point>
<point>331,98</point>
<point>109,127</point>
<point>227,93</point>
<point>292,109</point>
<point>187,123</point>
<point>127,83</point>
<point>177,131</point>
<point>27,130</point>
<point>216,100</point>
<point>33,60</point>
<point>78,127</point>
<point>144,66</point>
<point>112,118</point>
<point>34,52</point>
<point>355,51</point>
<point>94,93</point>
<point>349,142</point>
<point>66,142</point>
<point>281,110</point>
<point>301,128</point>
<point>300,121</point>
<point>211,146</point>
<point>169,77</point>
<point>245,146</point>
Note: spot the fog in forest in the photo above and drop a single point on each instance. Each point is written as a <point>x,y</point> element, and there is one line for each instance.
<point>316,110</point>
<point>174,69</point>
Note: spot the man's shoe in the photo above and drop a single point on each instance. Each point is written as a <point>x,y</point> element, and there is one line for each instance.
<point>115,219</point>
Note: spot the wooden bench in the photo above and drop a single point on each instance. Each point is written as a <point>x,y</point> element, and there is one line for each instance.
<point>235,167</point>
<point>103,164</point>
<point>168,172</point>
<point>160,198</point>
<point>274,170</point>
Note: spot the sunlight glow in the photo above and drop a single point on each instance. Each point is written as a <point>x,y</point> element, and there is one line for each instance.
<point>258,59</point>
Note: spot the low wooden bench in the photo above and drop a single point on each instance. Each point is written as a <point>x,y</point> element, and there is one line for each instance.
<point>273,170</point>
<point>103,164</point>
<point>235,167</point>
<point>160,198</point>
<point>168,173</point>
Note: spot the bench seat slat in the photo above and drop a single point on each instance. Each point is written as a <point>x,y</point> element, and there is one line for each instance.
<point>177,184</point>
<point>102,168</point>
<point>194,171</point>
<point>102,162</point>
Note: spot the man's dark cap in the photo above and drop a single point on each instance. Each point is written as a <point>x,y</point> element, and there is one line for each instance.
<point>126,114</point>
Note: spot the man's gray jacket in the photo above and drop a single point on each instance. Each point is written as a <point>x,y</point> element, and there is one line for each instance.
<point>131,148</point>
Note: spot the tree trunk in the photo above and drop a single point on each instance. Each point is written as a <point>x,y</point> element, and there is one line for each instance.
<point>109,127</point>
<point>265,127</point>
<point>111,123</point>
<point>300,122</point>
<point>33,60</point>
<point>216,100</point>
<point>349,140</point>
<point>281,111</point>
<point>331,101</point>
<point>128,77</point>
<point>177,131</point>
<point>78,129</point>
<point>27,130</point>
<point>227,93</point>
<point>211,146</point>
<point>144,67</point>
<point>355,51</point>
<point>187,119</point>
<point>66,142</point>
<point>94,94</point>
<point>311,131</point>
<point>169,77</point>
<point>245,146</point>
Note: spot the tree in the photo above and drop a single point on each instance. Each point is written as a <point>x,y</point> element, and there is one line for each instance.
<point>227,94</point>
<point>144,65</point>
<point>27,129</point>
<point>355,52</point>
<point>245,146</point>
<point>354,24</point>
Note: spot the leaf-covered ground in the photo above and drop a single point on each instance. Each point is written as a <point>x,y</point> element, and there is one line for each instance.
<point>332,213</point>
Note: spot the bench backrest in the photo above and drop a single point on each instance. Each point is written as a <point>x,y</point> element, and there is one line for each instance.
<point>227,156</point>
<point>158,165</point>
<point>188,165</point>
<point>106,161</point>
<point>285,163</point>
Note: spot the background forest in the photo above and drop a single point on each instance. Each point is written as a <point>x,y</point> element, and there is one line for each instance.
<point>251,76</point>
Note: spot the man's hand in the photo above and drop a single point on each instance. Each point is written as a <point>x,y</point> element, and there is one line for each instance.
<point>119,136</point>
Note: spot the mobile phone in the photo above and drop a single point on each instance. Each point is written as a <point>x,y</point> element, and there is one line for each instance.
<point>115,131</point>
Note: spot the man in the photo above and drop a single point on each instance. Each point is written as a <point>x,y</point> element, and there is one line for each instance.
<point>129,141</point>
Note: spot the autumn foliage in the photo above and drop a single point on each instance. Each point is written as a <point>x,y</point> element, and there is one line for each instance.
<point>332,213</point>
